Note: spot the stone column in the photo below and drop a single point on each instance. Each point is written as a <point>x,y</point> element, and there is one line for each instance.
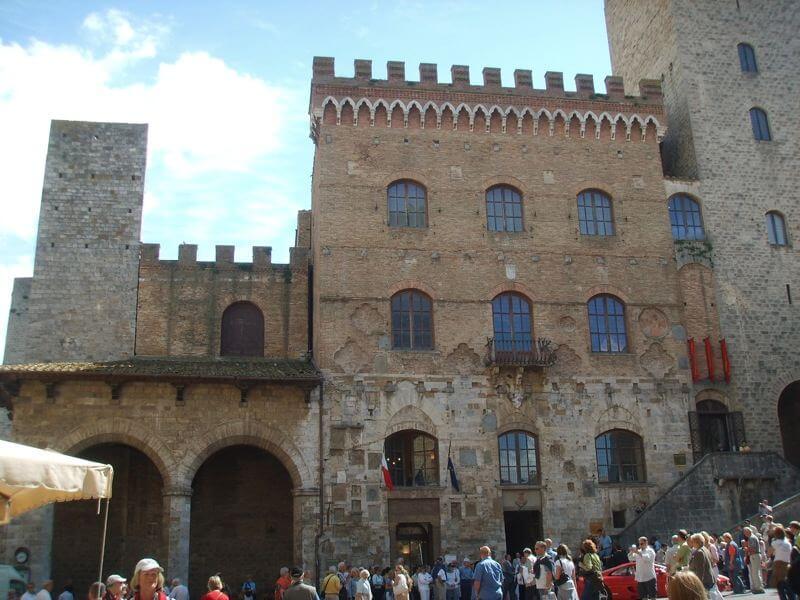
<point>177,511</point>
<point>306,526</point>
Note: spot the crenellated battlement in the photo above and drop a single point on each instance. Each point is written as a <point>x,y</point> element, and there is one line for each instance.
<point>491,108</point>
<point>224,258</point>
<point>649,89</point>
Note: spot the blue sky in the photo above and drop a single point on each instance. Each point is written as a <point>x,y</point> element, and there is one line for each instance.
<point>224,87</point>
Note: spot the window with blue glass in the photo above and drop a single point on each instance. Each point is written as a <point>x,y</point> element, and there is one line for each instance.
<point>607,324</point>
<point>407,205</point>
<point>594,213</point>
<point>503,209</point>
<point>412,321</point>
<point>747,58</point>
<point>511,315</point>
<point>758,119</point>
<point>776,228</point>
<point>685,218</point>
<point>518,460</point>
<point>620,457</point>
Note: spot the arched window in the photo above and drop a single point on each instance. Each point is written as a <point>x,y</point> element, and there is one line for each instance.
<point>511,318</point>
<point>242,330</point>
<point>518,460</point>
<point>412,321</point>
<point>607,324</point>
<point>594,213</point>
<point>747,58</point>
<point>758,119</point>
<point>685,218</point>
<point>503,209</point>
<point>620,457</point>
<point>408,206</point>
<point>413,458</point>
<point>776,228</point>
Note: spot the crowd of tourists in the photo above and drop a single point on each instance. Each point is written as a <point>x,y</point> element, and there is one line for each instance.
<point>750,557</point>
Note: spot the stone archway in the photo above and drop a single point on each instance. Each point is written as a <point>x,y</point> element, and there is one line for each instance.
<point>789,422</point>
<point>135,521</point>
<point>250,433</point>
<point>242,519</point>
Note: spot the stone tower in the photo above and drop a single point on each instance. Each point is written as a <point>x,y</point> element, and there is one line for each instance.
<point>80,303</point>
<point>710,151</point>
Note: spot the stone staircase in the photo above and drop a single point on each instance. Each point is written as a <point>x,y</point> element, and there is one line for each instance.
<point>720,489</point>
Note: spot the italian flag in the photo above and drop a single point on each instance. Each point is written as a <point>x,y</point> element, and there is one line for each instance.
<point>387,477</point>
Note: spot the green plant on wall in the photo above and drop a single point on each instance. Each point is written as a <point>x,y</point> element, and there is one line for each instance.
<point>695,250</point>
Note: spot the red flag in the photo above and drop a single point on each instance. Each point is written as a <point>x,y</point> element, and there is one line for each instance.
<point>387,477</point>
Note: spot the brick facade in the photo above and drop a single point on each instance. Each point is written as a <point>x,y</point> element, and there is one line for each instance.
<point>448,392</point>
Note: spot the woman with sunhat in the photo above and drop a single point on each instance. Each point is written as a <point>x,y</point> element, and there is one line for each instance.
<point>147,582</point>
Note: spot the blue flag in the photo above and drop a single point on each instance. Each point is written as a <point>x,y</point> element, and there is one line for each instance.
<point>453,479</point>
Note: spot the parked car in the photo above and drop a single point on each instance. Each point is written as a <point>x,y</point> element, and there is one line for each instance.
<point>621,582</point>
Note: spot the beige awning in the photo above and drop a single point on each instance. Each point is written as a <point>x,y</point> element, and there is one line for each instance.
<point>31,477</point>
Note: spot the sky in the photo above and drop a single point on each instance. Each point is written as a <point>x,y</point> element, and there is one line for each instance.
<point>224,87</point>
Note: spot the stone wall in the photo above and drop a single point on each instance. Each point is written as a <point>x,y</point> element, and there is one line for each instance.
<point>740,179</point>
<point>644,43</point>
<point>720,491</point>
<point>82,299</point>
<point>179,436</point>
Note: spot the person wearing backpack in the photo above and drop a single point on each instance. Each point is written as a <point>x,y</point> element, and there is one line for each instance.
<point>733,564</point>
<point>331,585</point>
<point>565,575</point>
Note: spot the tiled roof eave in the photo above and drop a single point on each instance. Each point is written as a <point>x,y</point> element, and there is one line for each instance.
<point>287,372</point>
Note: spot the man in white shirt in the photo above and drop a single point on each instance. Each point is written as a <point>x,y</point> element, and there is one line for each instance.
<point>44,593</point>
<point>645,558</point>
<point>30,592</point>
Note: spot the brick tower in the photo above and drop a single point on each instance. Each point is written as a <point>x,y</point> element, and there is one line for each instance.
<point>729,73</point>
<point>80,303</point>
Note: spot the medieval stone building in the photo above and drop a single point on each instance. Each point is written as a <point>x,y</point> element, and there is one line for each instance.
<point>564,294</point>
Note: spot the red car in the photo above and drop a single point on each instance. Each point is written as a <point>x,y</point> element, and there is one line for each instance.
<point>621,583</point>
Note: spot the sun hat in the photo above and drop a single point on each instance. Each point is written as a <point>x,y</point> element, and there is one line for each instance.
<point>147,564</point>
<point>112,579</point>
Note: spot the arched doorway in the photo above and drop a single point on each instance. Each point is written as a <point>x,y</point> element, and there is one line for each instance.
<point>714,428</point>
<point>789,420</point>
<point>242,519</point>
<point>715,434</point>
<point>135,521</point>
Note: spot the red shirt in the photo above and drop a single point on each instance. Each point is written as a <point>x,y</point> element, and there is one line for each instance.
<point>281,585</point>
<point>159,595</point>
<point>215,595</point>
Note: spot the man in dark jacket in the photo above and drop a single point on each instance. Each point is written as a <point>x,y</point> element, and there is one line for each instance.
<point>298,589</point>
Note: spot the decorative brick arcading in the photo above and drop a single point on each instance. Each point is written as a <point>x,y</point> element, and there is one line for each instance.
<point>396,101</point>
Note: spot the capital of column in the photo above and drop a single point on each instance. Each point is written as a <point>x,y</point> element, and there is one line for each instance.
<point>308,491</point>
<point>177,490</point>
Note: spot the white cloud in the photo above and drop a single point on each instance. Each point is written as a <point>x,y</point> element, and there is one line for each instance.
<point>135,40</point>
<point>204,115</point>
